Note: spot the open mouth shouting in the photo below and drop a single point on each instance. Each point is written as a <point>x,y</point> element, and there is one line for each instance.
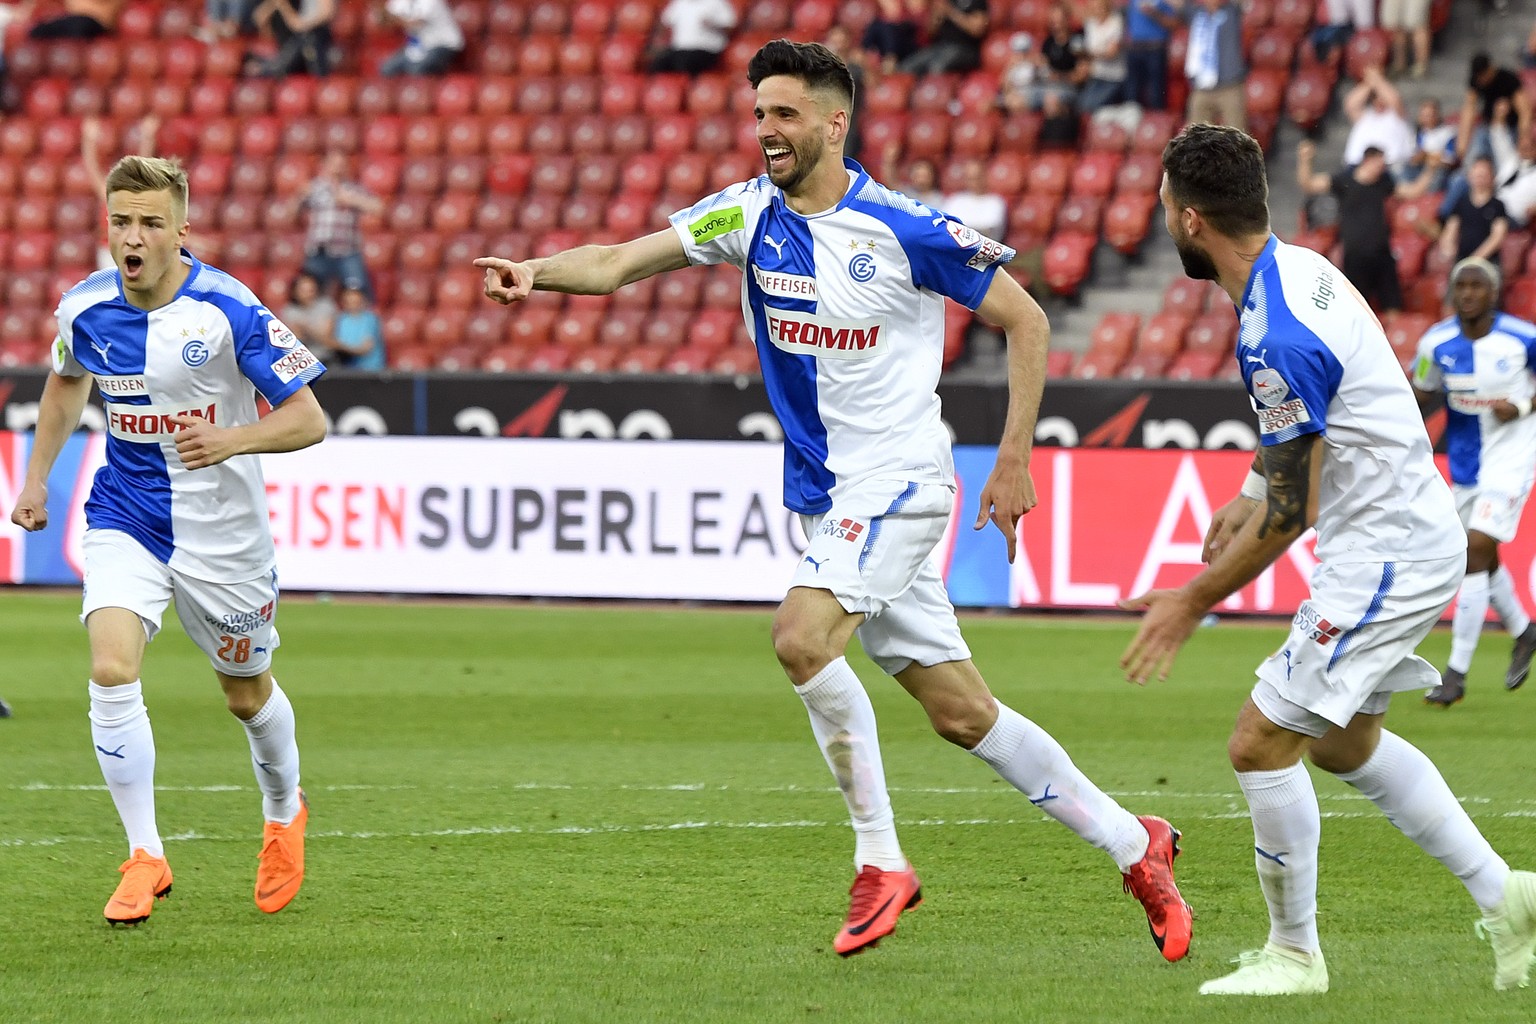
<point>133,266</point>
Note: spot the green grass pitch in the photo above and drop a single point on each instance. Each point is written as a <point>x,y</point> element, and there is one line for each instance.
<point>616,814</point>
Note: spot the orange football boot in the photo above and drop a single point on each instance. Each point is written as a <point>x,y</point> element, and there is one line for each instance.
<point>1150,880</point>
<point>280,870</point>
<point>145,879</point>
<point>878,898</point>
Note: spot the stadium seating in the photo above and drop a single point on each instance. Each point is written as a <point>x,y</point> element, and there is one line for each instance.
<point>549,132</point>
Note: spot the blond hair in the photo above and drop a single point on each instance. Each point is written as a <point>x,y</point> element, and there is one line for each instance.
<point>151,174</point>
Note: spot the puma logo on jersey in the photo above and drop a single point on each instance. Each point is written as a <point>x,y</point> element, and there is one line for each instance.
<point>778,247</point>
<point>101,350</point>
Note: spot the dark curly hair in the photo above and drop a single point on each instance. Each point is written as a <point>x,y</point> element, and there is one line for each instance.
<point>1219,171</point>
<point>812,63</point>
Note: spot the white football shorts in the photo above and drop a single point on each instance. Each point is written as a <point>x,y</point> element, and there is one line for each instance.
<point>234,624</point>
<point>1494,511</point>
<point>873,551</point>
<point>1352,641</point>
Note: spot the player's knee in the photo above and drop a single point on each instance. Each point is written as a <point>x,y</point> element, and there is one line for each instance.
<point>243,701</point>
<point>801,653</point>
<point>110,670</point>
<point>964,720</point>
<point>1245,753</point>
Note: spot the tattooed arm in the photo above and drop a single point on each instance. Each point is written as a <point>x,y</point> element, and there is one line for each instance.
<point>1291,471</point>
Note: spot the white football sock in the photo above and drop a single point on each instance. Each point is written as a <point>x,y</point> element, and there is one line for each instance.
<point>1506,603</point>
<point>843,720</point>
<point>1030,758</point>
<point>275,756</point>
<point>1400,779</point>
<point>125,749</point>
<point>1286,830</point>
<point>1467,623</point>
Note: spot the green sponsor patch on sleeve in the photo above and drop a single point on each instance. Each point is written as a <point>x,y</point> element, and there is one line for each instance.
<point>1422,367</point>
<point>716,223</point>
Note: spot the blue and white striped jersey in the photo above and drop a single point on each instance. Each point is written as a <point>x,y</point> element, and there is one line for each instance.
<point>1316,361</point>
<point>199,354</point>
<point>1474,375</point>
<point>846,308</point>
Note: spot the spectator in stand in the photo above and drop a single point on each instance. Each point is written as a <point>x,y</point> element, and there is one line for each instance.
<point>1061,126</point>
<point>1338,20</point>
<point>90,159</point>
<point>311,315</point>
<point>1362,192</point>
<point>894,34</point>
<point>1214,64</point>
<point>1017,89</point>
<point>333,250</point>
<point>1061,66</point>
<point>82,19</point>
<point>358,335</point>
<point>1486,86</point>
<point>1104,42</point>
<point>1435,140</point>
<point>433,39</point>
<point>1378,120</point>
<point>221,20</point>
<point>957,30</point>
<point>1408,20</point>
<point>920,183</point>
<point>11,14</point>
<point>302,31</point>
<point>700,31</point>
<point>977,206</point>
<point>1528,51</point>
<point>1518,193</point>
<point>1478,223</point>
<point>1148,25</point>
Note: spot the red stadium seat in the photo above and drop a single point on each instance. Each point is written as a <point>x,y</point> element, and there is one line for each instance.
<point>1108,137</point>
<point>1186,297</point>
<point>577,55</point>
<point>1308,97</point>
<point>1096,365</point>
<point>86,99</point>
<point>547,136</point>
<point>1080,214</point>
<point>507,135</point>
<point>578,95</point>
<point>1163,335</point>
<point>620,53</point>
<point>554,175</point>
<point>1095,174</point>
<point>168,99</point>
<point>890,94</point>
<point>634,17</point>
<point>679,291</point>
<point>1153,132</point>
<point>927,135</point>
<point>663,94</point>
<point>714,134</point>
<point>1068,261</point>
<point>1127,218</point>
<point>629,135</point>
<point>465,175</point>
<point>1409,249</point>
<point>464,136</point>
<point>974,135</point>
<point>671,133</point>
<point>1115,332</point>
<point>1272,48</point>
<point>1032,217</point>
<point>423,136</point>
<point>250,177</point>
<point>1189,365</point>
<point>1051,173</point>
<point>628,214</point>
<point>1370,47</point>
<point>1265,90</point>
<point>597,175</point>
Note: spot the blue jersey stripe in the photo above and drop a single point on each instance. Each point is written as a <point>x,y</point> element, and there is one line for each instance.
<point>874,524</point>
<point>790,378</point>
<point>1388,575</point>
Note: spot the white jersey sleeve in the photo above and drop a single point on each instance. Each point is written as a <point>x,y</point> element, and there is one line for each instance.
<point>718,228</point>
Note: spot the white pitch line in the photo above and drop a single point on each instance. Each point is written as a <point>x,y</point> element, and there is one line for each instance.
<point>701,787</point>
<point>675,826</point>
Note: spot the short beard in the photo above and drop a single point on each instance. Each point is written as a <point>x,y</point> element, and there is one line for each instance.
<point>1198,264</point>
<point>802,169</point>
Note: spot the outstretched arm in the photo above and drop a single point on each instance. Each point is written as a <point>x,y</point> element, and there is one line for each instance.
<point>1291,472</point>
<point>585,270</point>
<point>1009,492</point>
